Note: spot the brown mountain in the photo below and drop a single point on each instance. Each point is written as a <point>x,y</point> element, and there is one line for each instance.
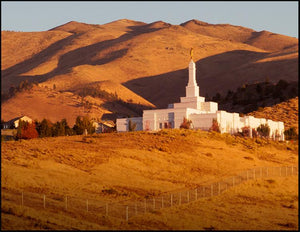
<point>144,64</point>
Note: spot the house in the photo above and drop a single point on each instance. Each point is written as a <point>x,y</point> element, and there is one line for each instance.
<point>202,114</point>
<point>14,123</point>
<point>104,126</point>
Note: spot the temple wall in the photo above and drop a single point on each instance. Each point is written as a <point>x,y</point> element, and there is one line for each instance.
<point>123,123</point>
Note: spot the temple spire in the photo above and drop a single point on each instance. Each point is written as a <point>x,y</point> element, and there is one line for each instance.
<point>191,53</point>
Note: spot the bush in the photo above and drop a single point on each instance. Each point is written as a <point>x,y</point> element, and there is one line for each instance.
<point>215,126</point>
<point>186,124</point>
<point>254,133</point>
<point>263,130</point>
<point>291,134</point>
<point>246,131</point>
<point>131,126</point>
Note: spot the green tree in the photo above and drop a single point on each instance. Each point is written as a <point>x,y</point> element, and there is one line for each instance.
<point>263,130</point>
<point>44,128</point>
<point>291,133</point>
<point>83,123</point>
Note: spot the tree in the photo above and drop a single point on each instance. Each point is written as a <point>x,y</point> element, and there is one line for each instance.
<point>215,126</point>
<point>131,125</point>
<point>83,123</point>
<point>291,133</point>
<point>26,130</point>
<point>44,128</point>
<point>186,124</point>
<point>263,130</point>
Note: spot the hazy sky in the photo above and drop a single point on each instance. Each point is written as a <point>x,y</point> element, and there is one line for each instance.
<point>277,17</point>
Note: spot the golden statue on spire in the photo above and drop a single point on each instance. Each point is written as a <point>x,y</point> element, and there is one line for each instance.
<point>191,53</point>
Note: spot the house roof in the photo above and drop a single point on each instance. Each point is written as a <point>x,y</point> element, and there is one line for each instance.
<point>15,119</point>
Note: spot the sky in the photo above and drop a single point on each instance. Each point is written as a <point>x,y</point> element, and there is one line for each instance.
<point>275,16</point>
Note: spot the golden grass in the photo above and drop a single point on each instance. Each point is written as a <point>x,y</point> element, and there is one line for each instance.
<point>122,166</point>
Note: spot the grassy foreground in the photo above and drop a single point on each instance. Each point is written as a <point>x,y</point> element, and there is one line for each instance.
<point>121,166</point>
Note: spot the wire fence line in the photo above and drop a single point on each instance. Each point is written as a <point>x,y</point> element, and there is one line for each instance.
<point>126,209</point>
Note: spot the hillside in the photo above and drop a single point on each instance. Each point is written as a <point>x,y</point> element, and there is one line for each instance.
<point>147,62</point>
<point>121,166</point>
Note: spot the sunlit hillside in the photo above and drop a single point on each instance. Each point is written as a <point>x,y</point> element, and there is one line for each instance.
<point>123,166</point>
<point>145,64</point>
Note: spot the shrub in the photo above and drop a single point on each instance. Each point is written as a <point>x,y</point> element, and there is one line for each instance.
<point>186,124</point>
<point>131,126</point>
<point>246,131</point>
<point>215,126</point>
<point>291,133</point>
<point>254,133</point>
<point>263,130</point>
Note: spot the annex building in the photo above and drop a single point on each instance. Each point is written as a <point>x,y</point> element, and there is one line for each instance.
<point>194,107</point>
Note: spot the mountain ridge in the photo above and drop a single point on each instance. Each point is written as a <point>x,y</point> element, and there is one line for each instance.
<point>149,59</point>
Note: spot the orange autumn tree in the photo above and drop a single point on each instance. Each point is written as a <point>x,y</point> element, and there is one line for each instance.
<point>26,130</point>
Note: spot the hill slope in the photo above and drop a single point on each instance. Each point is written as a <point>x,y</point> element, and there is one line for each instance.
<point>149,59</point>
<point>122,166</point>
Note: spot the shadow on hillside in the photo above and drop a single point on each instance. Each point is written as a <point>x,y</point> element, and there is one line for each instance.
<point>217,73</point>
<point>76,57</point>
<point>121,109</point>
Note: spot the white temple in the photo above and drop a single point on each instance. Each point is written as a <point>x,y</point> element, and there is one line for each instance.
<point>201,113</point>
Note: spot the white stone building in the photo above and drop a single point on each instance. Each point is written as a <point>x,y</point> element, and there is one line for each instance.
<point>201,113</point>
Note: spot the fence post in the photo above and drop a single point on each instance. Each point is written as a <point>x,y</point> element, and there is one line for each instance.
<point>279,171</point>
<point>87,205</point>
<point>106,209</point>
<point>188,196</point>
<point>135,208</point>
<point>260,172</point>
<point>127,213</point>
<point>66,202</point>
<point>22,199</point>
<point>180,198</point>
<point>171,199</point>
<point>196,193</point>
<point>162,201</point>
<point>219,188</point>
<point>44,201</point>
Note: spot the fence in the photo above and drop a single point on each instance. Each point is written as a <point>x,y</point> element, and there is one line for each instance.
<point>127,209</point>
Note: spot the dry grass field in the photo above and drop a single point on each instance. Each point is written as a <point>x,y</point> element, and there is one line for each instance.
<point>122,166</point>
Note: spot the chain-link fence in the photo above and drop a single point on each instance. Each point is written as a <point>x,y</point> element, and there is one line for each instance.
<point>127,209</point>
